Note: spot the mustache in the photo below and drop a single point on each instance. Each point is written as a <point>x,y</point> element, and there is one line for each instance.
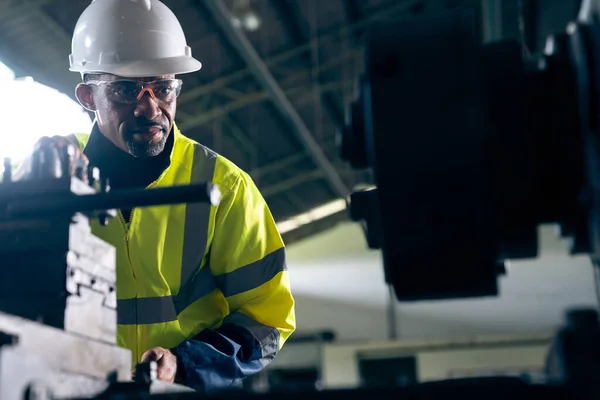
<point>144,125</point>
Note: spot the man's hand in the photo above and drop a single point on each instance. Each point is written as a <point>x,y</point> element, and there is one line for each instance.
<point>166,363</point>
<point>78,160</point>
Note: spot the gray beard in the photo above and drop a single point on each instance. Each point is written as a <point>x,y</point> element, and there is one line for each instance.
<point>146,150</point>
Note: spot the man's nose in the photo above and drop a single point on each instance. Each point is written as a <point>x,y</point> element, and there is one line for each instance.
<point>147,107</point>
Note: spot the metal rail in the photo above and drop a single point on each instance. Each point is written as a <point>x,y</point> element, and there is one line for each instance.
<point>50,204</point>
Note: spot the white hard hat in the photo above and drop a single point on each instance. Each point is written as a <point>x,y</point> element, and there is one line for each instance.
<point>130,38</point>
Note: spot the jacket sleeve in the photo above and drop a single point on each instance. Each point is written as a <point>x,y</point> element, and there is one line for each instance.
<point>247,259</point>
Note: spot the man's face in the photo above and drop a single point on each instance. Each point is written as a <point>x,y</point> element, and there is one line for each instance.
<point>135,119</point>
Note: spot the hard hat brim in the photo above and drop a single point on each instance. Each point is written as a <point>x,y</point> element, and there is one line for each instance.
<point>145,68</point>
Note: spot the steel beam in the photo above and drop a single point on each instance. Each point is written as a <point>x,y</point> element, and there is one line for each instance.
<point>286,55</point>
<point>292,182</point>
<point>296,180</point>
<point>315,227</point>
<point>529,12</point>
<point>47,75</point>
<point>491,11</point>
<point>17,8</point>
<point>333,62</point>
<point>253,98</point>
<point>285,162</point>
<point>296,201</point>
<point>35,8</point>
<point>242,138</point>
<point>230,93</point>
<point>240,42</point>
<point>233,129</point>
<point>300,32</point>
<point>352,11</point>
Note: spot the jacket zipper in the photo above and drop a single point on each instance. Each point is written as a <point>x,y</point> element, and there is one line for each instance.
<point>126,227</point>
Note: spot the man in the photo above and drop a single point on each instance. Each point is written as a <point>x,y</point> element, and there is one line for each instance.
<point>201,289</point>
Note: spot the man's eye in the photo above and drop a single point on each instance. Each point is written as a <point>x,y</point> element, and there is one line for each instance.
<point>123,90</point>
<point>164,90</point>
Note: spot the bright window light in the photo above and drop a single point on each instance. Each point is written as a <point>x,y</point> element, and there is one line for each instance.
<point>315,214</point>
<point>34,110</point>
<point>6,74</point>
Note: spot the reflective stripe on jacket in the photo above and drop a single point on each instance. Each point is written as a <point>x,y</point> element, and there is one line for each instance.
<point>182,269</point>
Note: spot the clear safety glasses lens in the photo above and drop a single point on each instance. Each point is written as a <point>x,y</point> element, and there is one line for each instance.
<point>130,91</point>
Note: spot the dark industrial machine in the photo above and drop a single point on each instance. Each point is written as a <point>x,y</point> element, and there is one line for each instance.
<point>473,146</point>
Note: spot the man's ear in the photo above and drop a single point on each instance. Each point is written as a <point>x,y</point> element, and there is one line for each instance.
<point>84,95</point>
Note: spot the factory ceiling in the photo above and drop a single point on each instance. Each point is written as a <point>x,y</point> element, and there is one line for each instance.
<point>276,79</point>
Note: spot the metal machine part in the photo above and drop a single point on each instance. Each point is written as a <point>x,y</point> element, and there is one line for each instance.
<point>54,270</point>
<point>574,357</point>
<point>64,351</point>
<point>91,307</point>
<point>45,235</point>
<point>58,299</point>
<point>472,147</point>
<point>24,376</point>
<point>364,208</point>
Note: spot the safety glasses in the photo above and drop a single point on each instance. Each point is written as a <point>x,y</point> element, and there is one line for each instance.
<point>130,91</point>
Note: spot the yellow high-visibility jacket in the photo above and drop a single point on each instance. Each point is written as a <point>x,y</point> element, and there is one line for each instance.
<point>184,269</point>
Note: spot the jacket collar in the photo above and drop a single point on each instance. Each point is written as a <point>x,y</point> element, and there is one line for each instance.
<point>124,170</point>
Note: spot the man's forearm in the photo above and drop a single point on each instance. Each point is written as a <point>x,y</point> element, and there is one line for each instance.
<point>217,359</point>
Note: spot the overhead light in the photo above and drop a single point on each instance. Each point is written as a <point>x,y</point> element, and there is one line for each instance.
<point>310,216</point>
<point>244,16</point>
<point>251,21</point>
